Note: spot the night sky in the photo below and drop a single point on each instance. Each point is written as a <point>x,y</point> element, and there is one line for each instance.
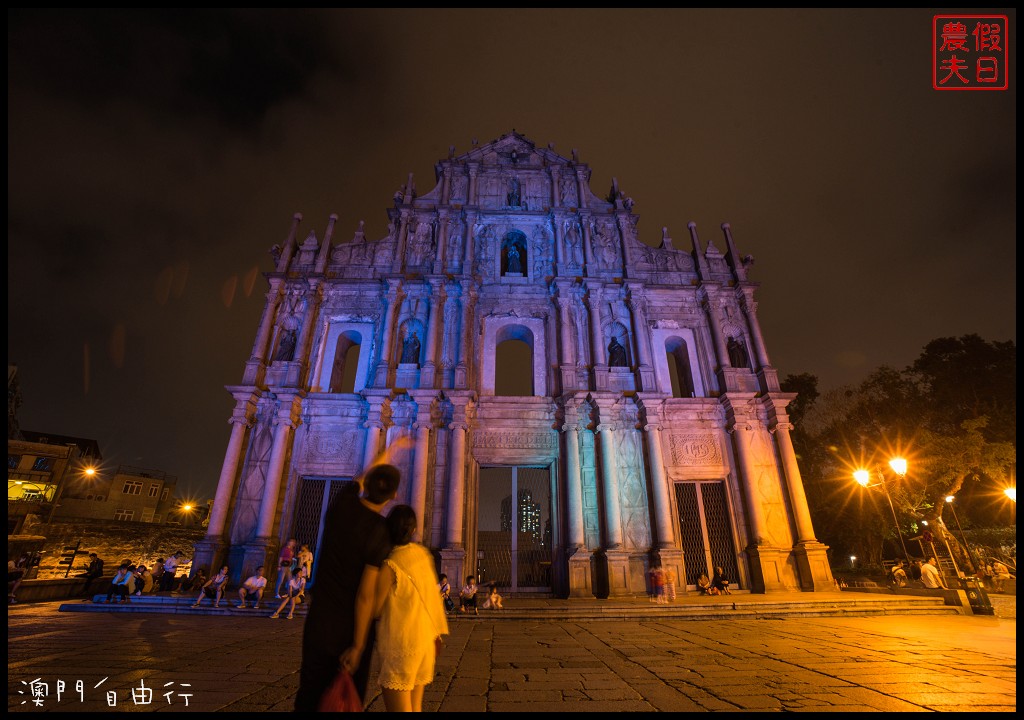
<point>155,157</point>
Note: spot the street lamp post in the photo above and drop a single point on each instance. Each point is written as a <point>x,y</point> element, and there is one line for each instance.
<point>89,471</point>
<point>863,477</point>
<point>970,554</point>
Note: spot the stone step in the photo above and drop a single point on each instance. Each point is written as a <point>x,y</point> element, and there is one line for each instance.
<point>550,609</point>
<point>173,604</point>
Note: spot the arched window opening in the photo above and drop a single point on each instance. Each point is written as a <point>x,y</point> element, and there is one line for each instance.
<point>513,369</point>
<point>513,255</point>
<point>346,361</point>
<point>679,368</point>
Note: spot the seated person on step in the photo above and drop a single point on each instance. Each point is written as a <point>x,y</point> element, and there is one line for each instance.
<point>467,598</point>
<point>493,601</point>
<point>720,583</point>
<point>253,588</point>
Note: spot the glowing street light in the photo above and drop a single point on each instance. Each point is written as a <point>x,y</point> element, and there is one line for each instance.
<point>88,471</point>
<point>863,478</point>
<point>1011,492</point>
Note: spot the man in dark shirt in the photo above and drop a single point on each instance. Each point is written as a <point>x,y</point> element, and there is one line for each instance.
<point>95,571</point>
<point>339,628</point>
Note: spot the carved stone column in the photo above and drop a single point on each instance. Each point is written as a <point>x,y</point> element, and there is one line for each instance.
<point>210,550</point>
<point>473,170</point>
<point>387,340</point>
<point>579,558</point>
<point>457,487</point>
<point>642,333</point>
<point>284,422</point>
<point>442,242</point>
<point>430,366</point>
<point>372,448</point>
<point>403,233</point>
<point>811,556</point>
<point>418,494</point>
<point>597,338</point>
<point>255,367</point>
<point>659,486</point>
<point>453,554</point>
<point>763,559</point>
<point>610,478</point>
<point>555,191</point>
<point>582,190</point>
<point>465,335</point>
<point>568,361</point>
<point>588,244</point>
<point>750,310</point>
<point>467,261</point>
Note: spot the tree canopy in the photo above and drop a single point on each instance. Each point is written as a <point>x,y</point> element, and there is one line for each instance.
<point>951,414</point>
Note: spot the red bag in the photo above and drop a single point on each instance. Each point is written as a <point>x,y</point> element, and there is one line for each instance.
<point>341,696</point>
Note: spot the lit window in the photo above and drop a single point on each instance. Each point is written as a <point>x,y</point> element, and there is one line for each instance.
<point>124,514</point>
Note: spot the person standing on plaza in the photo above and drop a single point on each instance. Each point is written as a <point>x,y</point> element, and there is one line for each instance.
<point>338,634</point>
<point>305,561</point>
<point>284,567</point>
<point>658,584</point>
<point>930,576</point>
<point>670,584</point>
<point>412,618</point>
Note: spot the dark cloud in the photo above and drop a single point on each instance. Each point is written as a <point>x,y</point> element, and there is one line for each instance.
<point>232,65</point>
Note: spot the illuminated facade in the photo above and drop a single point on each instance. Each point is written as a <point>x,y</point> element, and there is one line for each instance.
<point>651,427</point>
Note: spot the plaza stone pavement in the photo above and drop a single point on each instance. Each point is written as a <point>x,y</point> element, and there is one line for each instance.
<point>245,662</point>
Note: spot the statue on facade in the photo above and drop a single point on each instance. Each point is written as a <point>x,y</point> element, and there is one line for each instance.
<point>737,354</point>
<point>514,199</point>
<point>411,349</point>
<point>514,264</point>
<point>286,350</point>
<point>616,354</point>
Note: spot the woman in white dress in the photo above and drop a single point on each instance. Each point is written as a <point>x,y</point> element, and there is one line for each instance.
<point>412,618</point>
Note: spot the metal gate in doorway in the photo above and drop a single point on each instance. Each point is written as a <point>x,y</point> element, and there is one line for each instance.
<point>705,530</point>
<point>514,528</point>
<point>315,495</point>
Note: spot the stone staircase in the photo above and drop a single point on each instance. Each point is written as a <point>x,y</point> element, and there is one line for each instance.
<point>690,606</point>
<point>176,605</point>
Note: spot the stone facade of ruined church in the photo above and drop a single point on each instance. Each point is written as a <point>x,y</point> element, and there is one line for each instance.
<point>647,426</point>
